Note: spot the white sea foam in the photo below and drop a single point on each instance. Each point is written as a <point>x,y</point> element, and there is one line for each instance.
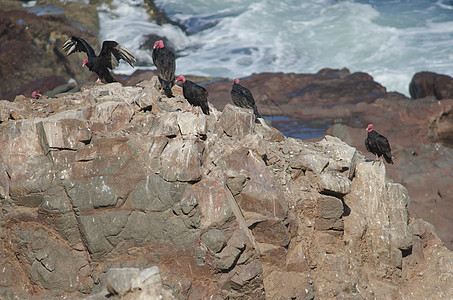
<point>390,41</point>
<point>127,22</point>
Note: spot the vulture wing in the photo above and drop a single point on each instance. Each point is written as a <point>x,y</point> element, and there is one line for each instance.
<point>164,60</point>
<point>384,148</point>
<point>77,44</point>
<point>196,95</point>
<point>242,97</point>
<point>112,52</point>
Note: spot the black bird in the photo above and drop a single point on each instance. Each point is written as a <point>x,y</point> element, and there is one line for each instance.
<point>196,95</point>
<point>164,60</point>
<point>242,97</point>
<point>378,145</point>
<point>111,53</point>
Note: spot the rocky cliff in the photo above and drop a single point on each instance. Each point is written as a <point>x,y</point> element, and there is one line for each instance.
<point>420,131</point>
<point>120,191</point>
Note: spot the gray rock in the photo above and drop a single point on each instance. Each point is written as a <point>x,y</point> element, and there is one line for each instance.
<point>121,280</point>
<point>328,213</point>
<point>24,162</point>
<point>188,202</point>
<point>381,206</point>
<point>64,133</point>
<point>227,257</point>
<point>236,122</point>
<point>313,161</point>
<point>7,294</point>
<point>164,125</point>
<point>131,283</point>
<point>158,145</point>
<point>214,239</point>
<point>245,274</point>
<point>94,192</point>
<point>181,160</point>
<point>93,236</point>
<point>236,184</point>
<point>55,266</point>
<point>156,194</point>
<point>55,200</point>
<point>137,228</point>
<point>212,198</point>
<point>112,114</point>
<point>328,207</point>
<point>149,97</point>
<point>149,280</point>
<point>192,124</point>
<point>112,223</point>
<point>157,228</point>
<point>400,233</point>
<point>333,183</point>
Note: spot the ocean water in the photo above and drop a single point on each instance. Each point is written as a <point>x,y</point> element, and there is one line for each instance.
<point>297,128</point>
<point>390,40</point>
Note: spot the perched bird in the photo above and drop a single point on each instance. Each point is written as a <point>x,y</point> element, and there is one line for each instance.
<point>164,60</point>
<point>36,95</point>
<point>111,53</point>
<point>242,97</point>
<point>196,95</point>
<point>378,145</point>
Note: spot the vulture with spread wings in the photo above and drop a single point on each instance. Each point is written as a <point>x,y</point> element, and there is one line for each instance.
<point>109,57</point>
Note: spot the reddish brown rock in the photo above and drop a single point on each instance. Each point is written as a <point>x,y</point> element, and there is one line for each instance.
<point>412,126</point>
<point>221,217</point>
<point>296,260</point>
<point>328,213</point>
<point>442,128</point>
<point>42,85</point>
<point>236,122</point>
<point>283,94</point>
<point>30,55</point>
<point>271,232</point>
<point>425,84</point>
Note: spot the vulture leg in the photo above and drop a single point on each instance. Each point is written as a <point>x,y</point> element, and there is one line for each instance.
<point>190,109</point>
<point>376,159</point>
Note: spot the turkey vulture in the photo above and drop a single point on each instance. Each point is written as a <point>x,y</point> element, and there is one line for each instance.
<point>378,145</point>
<point>111,53</point>
<point>36,95</point>
<point>196,95</point>
<point>242,97</point>
<point>164,60</point>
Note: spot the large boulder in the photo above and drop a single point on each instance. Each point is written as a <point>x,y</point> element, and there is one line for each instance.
<point>426,84</point>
